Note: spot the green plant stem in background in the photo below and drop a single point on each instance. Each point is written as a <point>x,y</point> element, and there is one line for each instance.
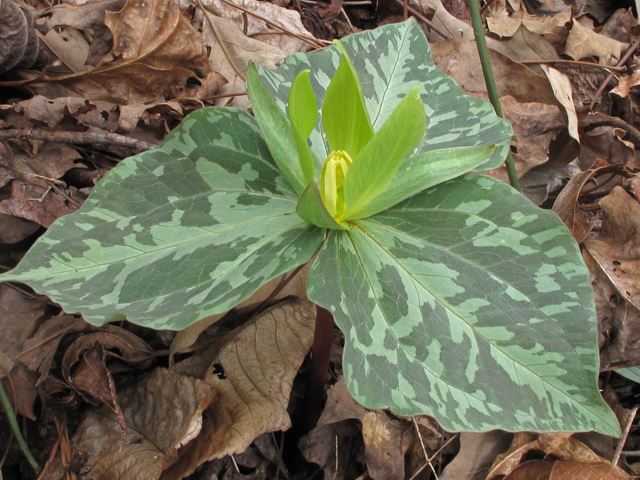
<point>15,428</point>
<point>483,51</point>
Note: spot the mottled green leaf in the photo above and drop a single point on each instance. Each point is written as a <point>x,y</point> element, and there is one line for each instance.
<point>374,167</point>
<point>456,307</point>
<point>276,129</point>
<point>303,114</point>
<point>390,61</point>
<point>177,233</point>
<point>312,210</point>
<point>344,115</point>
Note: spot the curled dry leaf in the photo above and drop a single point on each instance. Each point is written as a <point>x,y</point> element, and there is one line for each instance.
<point>84,365</point>
<point>251,376</point>
<point>567,204</point>
<point>245,391</point>
<point>19,44</point>
<point>477,453</point>
<point>459,58</point>
<point>154,49</point>
<point>162,411</point>
<point>618,321</point>
<point>543,25</point>
<point>584,42</point>
<point>617,248</point>
<point>386,438</point>
<point>19,318</point>
<point>563,91</point>
<point>560,445</point>
<point>561,470</point>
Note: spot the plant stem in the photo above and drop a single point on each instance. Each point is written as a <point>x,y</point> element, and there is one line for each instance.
<point>15,428</point>
<point>320,356</point>
<point>492,89</point>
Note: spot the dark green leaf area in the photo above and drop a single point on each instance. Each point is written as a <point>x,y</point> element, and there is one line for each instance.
<point>455,307</point>
<point>390,61</point>
<point>177,233</point>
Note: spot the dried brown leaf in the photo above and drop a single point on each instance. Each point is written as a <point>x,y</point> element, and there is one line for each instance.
<point>567,204</point>
<point>459,58</point>
<point>154,48</point>
<point>163,411</point>
<point>561,470</point>
<point>584,42</point>
<point>19,44</point>
<point>477,453</point>
<point>252,377</point>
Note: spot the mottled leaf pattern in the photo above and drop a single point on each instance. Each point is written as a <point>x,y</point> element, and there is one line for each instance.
<point>456,307</point>
<point>390,61</point>
<point>177,233</point>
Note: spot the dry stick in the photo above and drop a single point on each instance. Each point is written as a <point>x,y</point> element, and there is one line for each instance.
<point>314,43</point>
<point>424,20</point>
<point>625,434</point>
<point>216,33</point>
<point>95,139</point>
<point>424,449</point>
<point>622,61</point>
<point>426,464</point>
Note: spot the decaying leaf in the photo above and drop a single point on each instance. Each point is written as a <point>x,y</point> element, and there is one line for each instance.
<point>251,376</point>
<point>19,318</point>
<point>559,445</point>
<point>567,205</point>
<point>477,453</point>
<point>244,390</point>
<point>386,437</point>
<point>560,470</point>
<point>19,44</point>
<point>154,48</point>
<point>584,42</point>
<point>617,247</point>
<point>508,25</point>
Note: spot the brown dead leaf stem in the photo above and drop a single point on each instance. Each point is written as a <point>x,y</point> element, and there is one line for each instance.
<point>95,139</point>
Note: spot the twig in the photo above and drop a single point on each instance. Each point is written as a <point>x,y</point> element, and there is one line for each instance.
<point>492,89</point>
<point>314,43</point>
<point>426,464</point>
<point>622,61</point>
<point>216,33</point>
<point>576,62</point>
<point>424,449</point>
<point>95,139</point>
<point>15,428</point>
<point>625,434</point>
<point>424,20</point>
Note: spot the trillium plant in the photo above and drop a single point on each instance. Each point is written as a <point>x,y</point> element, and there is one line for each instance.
<point>457,297</point>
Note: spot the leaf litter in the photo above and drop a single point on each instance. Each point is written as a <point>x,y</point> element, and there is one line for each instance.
<point>125,402</point>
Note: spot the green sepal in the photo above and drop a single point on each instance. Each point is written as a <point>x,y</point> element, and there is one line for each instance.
<point>425,170</point>
<point>276,130</point>
<point>344,114</point>
<point>303,115</point>
<point>374,167</point>
<point>312,210</point>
